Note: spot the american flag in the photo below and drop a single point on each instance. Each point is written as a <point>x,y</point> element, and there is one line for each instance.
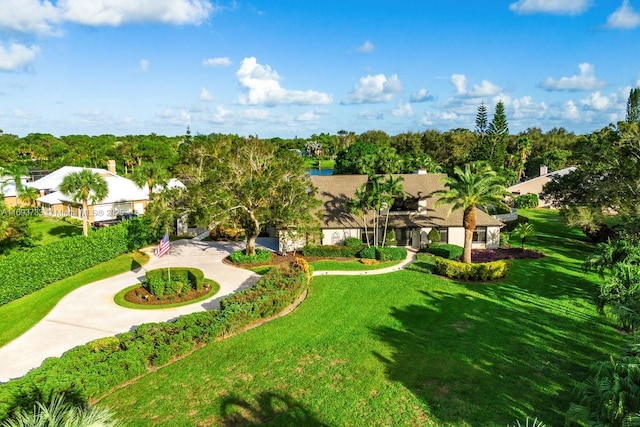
<point>163,247</point>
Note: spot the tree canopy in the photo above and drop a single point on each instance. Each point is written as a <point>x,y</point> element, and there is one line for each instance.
<point>246,182</point>
<point>82,187</point>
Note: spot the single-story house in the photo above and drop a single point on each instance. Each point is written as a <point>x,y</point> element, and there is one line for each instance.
<point>9,190</point>
<point>412,218</point>
<point>535,185</point>
<point>123,196</point>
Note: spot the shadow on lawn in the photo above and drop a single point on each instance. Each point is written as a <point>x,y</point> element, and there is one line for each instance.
<point>270,409</point>
<point>62,231</point>
<point>493,353</point>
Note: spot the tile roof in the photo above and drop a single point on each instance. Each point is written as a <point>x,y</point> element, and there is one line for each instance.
<point>335,192</point>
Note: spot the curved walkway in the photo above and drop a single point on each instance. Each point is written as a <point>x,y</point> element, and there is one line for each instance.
<point>89,312</point>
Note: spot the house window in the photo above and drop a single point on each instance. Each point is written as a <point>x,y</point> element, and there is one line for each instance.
<point>335,238</point>
<point>444,235</point>
<point>480,235</point>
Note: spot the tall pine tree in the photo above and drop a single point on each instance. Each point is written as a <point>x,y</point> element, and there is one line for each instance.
<point>633,106</point>
<point>498,134</point>
<point>482,127</point>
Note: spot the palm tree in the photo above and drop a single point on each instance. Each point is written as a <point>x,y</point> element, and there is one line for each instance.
<point>524,230</point>
<point>391,188</point>
<point>84,186</point>
<point>60,413</point>
<point>16,172</point>
<point>477,185</point>
<point>29,195</point>
<point>359,206</point>
<point>151,174</point>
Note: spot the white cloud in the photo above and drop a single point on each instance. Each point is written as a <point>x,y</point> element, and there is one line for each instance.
<point>29,16</point>
<point>374,89</point>
<point>586,80</point>
<point>366,47</point>
<point>558,7</point>
<point>624,18</point>
<point>431,118</point>
<point>570,111</point>
<point>180,117</point>
<point>119,12</point>
<point>261,85</point>
<point>217,62</point>
<point>205,95</point>
<point>370,115</point>
<point>484,89</point>
<point>459,81</point>
<point>144,65</point>
<point>421,96</point>
<point>16,55</point>
<point>311,116</point>
<point>403,110</point>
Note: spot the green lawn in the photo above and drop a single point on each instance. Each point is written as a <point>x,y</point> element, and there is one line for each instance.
<point>52,229</point>
<point>312,163</point>
<point>405,348</point>
<point>20,315</point>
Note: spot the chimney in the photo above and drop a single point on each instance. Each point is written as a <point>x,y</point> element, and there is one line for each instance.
<point>111,166</point>
<point>543,170</point>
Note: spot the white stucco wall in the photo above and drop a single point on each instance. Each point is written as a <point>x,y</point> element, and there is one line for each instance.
<point>456,236</point>
<point>332,236</point>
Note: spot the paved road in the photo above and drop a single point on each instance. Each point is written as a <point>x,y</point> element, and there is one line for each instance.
<point>89,312</point>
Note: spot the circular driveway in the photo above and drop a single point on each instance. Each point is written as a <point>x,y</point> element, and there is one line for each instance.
<point>89,312</point>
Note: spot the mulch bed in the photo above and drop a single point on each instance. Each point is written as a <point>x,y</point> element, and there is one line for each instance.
<point>488,255</point>
<point>141,296</point>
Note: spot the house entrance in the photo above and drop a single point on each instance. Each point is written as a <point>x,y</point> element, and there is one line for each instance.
<point>402,236</point>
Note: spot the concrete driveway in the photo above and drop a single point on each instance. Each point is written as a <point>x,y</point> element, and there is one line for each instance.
<point>89,312</point>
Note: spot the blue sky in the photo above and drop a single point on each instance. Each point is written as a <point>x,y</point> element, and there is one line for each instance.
<point>295,68</point>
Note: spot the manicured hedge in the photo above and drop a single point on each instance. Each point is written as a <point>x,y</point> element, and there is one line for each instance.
<point>368,253</point>
<point>92,370</point>
<point>480,272</point>
<point>165,281</point>
<point>446,251</point>
<point>239,257</point>
<point>28,271</point>
<point>331,251</point>
<point>390,253</point>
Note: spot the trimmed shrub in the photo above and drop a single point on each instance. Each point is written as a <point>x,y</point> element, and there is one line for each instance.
<point>368,253</point>
<point>89,371</point>
<point>331,251</point>
<point>239,257</point>
<point>172,281</point>
<point>481,272</point>
<point>446,250</point>
<point>390,254</point>
<point>526,201</point>
<point>28,271</point>
<point>433,237</point>
<point>353,242</point>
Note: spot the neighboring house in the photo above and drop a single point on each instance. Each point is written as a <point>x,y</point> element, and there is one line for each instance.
<point>411,219</point>
<point>9,191</point>
<point>124,196</point>
<point>536,184</point>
